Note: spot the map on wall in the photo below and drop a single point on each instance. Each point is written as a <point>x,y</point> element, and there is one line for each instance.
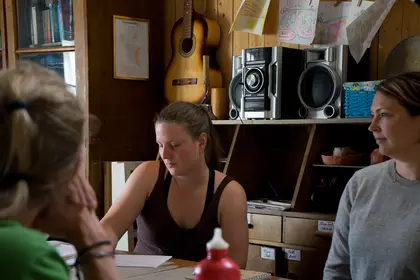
<point>297,21</point>
<point>131,48</point>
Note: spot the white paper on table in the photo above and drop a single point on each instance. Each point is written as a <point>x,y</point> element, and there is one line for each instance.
<point>363,29</point>
<point>65,250</point>
<point>141,260</point>
<point>297,21</point>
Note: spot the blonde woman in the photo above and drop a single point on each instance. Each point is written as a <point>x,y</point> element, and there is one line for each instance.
<point>377,229</point>
<point>42,183</point>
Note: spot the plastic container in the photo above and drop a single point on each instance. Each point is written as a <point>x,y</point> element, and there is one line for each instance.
<point>358,97</point>
<point>217,265</point>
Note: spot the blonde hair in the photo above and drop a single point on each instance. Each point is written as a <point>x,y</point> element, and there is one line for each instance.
<point>41,138</point>
<point>405,88</point>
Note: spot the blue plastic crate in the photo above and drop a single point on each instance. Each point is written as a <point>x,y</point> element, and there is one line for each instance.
<point>358,98</point>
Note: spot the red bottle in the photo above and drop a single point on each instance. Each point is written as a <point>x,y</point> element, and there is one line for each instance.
<point>217,265</point>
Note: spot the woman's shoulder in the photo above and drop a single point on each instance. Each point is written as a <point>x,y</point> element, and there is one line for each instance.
<point>147,170</point>
<point>149,165</point>
<point>29,250</point>
<point>21,238</point>
<point>372,172</point>
<point>369,180</point>
<point>232,190</point>
<point>230,182</point>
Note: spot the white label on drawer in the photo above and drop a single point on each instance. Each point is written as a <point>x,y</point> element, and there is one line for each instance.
<point>268,253</point>
<point>248,217</point>
<point>292,254</point>
<point>325,226</point>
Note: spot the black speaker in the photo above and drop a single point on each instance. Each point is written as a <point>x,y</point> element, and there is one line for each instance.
<point>269,83</point>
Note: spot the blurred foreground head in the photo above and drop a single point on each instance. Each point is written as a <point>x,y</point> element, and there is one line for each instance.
<point>41,136</point>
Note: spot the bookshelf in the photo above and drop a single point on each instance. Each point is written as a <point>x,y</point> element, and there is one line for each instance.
<point>45,32</point>
<point>42,31</point>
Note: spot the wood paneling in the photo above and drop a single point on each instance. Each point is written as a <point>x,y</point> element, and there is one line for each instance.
<point>11,27</point>
<point>3,32</point>
<point>125,108</point>
<point>402,22</point>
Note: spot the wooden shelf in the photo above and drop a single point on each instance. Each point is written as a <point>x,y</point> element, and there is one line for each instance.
<point>280,245</point>
<point>45,50</point>
<point>292,214</point>
<point>293,122</point>
<point>340,166</point>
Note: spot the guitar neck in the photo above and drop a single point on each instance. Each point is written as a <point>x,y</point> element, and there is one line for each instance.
<point>187,20</point>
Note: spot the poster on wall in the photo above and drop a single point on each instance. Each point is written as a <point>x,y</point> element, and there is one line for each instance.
<point>297,22</point>
<point>333,19</point>
<point>131,48</point>
<point>251,16</point>
<point>363,29</point>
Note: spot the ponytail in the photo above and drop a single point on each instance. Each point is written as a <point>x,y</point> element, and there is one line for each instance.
<point>22,131</point>
<point>213,149</point>
<point>42,127</point>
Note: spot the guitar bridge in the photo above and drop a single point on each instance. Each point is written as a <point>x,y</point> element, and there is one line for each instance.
<point>183,82</point>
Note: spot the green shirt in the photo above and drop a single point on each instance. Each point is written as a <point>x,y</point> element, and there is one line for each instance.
<point>26,255</point>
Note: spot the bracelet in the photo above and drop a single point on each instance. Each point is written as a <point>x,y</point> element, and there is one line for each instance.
<point>94,245</point>
<point>95,254</point>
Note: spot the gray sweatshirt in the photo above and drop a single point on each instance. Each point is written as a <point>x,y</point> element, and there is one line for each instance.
<point>377,229</point>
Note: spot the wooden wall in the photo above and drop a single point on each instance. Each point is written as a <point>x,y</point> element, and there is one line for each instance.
<point>402,22</point>
<point>125,108</point>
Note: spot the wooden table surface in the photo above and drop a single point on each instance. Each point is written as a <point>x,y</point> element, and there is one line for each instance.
<point>167,271</point>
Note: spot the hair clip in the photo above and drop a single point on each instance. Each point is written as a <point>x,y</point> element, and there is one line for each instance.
<point>10,179</point>
<point>15,105</point>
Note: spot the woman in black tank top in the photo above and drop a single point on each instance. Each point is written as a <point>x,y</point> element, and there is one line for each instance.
<point>178,201</point>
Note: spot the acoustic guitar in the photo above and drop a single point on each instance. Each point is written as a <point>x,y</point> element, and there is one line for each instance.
<point>193,36</point>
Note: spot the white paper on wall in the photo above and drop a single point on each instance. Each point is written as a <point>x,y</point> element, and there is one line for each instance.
<point>363,29</point>
<point>333,19</point>
<point>297,22</point>
<point>251,16</point>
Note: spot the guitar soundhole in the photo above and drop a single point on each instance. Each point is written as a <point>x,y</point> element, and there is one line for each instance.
<point>187,46</point>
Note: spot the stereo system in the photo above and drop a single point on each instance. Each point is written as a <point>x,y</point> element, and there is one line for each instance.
<point>286,83</point>
<point>264,83</point>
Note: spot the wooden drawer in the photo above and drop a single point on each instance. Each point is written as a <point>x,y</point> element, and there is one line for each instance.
<point>302,264</point>
<point>307,232</point>
<point>265,227</point>
<point>259,261</point>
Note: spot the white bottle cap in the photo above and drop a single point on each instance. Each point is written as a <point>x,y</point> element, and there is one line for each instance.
<point>217,242</point>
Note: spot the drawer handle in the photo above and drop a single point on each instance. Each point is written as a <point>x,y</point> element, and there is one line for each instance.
<point>250,226</point>
<point>326,235</point>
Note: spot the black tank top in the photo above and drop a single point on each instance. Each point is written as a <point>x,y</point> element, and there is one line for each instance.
<point>159,234</point>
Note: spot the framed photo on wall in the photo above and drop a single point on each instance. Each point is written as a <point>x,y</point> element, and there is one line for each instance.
<point>131,48</point>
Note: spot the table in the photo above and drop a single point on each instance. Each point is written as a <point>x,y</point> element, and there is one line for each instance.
<point>173,269</point>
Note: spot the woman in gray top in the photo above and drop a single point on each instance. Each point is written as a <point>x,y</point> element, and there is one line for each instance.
<point>377,229</point>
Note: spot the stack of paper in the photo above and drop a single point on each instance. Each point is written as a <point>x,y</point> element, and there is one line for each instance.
<point>140,260</point>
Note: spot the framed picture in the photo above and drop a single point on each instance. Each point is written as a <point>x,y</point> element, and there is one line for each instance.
<point>131,48</point>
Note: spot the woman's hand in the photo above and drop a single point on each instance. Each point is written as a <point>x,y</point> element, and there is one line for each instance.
<point>68,206</point>
<point>81,191</point>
